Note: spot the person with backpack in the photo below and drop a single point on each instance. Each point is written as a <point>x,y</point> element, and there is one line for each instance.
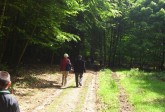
<point>8,103</point>
<point>65,67</point>
<point>79,69</point>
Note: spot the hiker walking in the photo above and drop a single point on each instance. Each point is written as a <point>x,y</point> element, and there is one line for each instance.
<point>65,66</point>
<point>79,69</point>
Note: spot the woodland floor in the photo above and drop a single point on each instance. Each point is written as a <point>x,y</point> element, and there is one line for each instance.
<point>45,89</point>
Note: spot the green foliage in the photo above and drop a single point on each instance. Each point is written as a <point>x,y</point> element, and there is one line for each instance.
<point>35,22</point>
<point>144,37</point>
<point>135,72</point>
<point>123,32</point>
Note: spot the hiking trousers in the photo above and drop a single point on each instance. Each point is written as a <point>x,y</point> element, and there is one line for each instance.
<point>64,77</point>
<point>78,79</point>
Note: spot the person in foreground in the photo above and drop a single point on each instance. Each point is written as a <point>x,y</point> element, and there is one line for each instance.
<point>8,103</point>
<point>65,66</point>
<point>79,69</point>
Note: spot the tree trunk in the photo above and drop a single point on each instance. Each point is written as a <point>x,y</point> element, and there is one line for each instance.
<point>3,13</point>
<point>104,48</point>
<point>24,48</point>
<point>163,54</point>
<point>3,41</point>
<point>2,47</point>
<point>52,58</point>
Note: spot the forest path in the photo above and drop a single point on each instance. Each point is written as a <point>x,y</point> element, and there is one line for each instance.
<point>125,105</point>
<point>51,95</point>
<point>46,94</point>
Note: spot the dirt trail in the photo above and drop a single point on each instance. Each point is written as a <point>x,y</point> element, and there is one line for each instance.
<point>125,106</point>
<point>70,99</point>
<point>77,99</point>
<point>90,101</point>
<point>47,92</point>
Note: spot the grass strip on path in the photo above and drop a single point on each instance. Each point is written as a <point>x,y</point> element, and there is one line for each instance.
<point>107,92</point>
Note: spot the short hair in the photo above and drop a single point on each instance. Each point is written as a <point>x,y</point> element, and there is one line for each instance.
<point>4,79</point>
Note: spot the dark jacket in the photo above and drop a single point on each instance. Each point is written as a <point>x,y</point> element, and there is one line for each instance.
<point>7,102</point>
<point>79,66</point>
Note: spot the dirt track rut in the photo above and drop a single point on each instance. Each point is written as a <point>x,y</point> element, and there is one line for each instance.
<point>72,99</point>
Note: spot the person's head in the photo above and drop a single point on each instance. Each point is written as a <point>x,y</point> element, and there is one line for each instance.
<point>66,55</point>
<point>5,81</point>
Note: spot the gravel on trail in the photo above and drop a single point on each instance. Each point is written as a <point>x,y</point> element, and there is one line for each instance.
<point>69,99</point>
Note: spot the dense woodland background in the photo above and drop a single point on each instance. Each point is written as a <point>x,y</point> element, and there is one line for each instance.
<point>120,33</point>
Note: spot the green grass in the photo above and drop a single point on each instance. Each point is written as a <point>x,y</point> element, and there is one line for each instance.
<point>146,92</point>
<point>107,92</point>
